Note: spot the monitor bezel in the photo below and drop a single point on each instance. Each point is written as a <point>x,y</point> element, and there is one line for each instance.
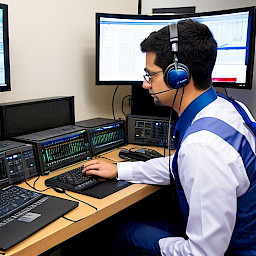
<point>249,72</point>
<point>4,7</point>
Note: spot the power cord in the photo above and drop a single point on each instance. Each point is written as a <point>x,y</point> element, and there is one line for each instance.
<point>107,158</point>
<point>226,91</point>
<point>74,221</point>
<point>123,103</point>
<point>113,103</point>
<point>81,201</point>
<point>33,187</point>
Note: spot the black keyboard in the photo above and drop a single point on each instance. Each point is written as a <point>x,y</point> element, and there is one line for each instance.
<point>73,180</point>
<point>14,199</point>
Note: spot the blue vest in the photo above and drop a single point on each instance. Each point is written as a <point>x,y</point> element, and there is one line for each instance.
<point>243,241</point>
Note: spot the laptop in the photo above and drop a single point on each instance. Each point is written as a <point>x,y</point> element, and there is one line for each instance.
<point>32,218</point>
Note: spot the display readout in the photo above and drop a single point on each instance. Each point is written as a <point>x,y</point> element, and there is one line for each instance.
<point>107,135</point>
<point>61,149</point>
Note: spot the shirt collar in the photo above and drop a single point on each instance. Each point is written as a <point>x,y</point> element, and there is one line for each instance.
<point>191,111</point>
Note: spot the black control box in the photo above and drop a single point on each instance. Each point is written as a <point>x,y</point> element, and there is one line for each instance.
<point>17,162</point>
<point>148,130</point>
<point>58,147</point>
<point>24,117</point>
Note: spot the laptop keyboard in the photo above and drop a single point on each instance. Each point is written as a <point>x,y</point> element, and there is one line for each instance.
<point>14,199</point>
<point>73,179</point>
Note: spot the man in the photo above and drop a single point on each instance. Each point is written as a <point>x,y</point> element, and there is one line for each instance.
<point>214,166</point>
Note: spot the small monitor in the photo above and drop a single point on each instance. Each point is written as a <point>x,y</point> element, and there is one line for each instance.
<point>119,60</point>
<point>64,149</point>
<point>5,84</point>
<point>107,137</point>
<point>104,134</point>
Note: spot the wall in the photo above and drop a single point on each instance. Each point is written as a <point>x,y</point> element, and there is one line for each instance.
<point>52,53</point>
<point>201,5</point>
<point>247,96</point>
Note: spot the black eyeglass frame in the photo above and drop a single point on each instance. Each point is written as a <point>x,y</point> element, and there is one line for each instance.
<point>148,76</point>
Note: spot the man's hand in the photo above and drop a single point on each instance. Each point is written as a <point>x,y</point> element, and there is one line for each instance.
<point>100,168</point>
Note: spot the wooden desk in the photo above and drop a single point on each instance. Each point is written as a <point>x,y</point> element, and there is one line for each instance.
<point>62,229</point>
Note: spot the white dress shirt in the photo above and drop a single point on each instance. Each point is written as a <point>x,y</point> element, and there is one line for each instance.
<point>212,175</point>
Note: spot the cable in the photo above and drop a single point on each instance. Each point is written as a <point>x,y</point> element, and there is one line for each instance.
<point>81,201</point>
<point>103,157</point>
<point>33,187</point>
<point>164,152</point>
<point>123,103</point>
<point>113,101</point>
<point>36,180</point>
<point>107,152</point>
<point>181,99</point>
<point>226,91</point>
<point>170,135</point>
<point>74,221</point>
<point>55,189</point>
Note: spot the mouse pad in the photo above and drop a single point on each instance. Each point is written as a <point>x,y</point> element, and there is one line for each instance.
<point>106,188</point>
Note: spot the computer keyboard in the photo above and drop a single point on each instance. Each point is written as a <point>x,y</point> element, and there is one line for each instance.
<point>14,199</point>
<point>73,180</point>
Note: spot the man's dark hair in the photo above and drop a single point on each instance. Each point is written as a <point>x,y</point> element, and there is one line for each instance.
<point>197,50</point>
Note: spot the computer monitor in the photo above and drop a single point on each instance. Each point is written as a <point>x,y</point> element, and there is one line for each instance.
<point>119,60</point>
<point>5,84</point>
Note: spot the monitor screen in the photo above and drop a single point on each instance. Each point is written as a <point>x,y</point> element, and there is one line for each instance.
<point>59,150</point>
<point>119,60</point>
<point>107,137</point>
<point>4,50</point>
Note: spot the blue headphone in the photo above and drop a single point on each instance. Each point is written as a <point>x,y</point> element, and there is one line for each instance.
<point>176,75</point>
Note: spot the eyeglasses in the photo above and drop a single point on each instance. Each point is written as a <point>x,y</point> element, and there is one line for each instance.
<point>148,76</point>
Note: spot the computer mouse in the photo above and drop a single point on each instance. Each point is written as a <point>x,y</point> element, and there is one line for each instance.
<point>142,154</point>
<point>149,152</point>
<point>123,154</point>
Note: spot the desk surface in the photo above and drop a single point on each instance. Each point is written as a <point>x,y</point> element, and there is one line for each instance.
<point>62,229</point>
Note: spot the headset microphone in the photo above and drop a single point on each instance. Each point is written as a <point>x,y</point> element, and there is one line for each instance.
<point>155,93</point>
